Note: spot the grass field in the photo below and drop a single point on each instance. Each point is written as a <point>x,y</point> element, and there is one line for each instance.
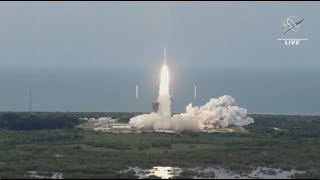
<point>81,153</point>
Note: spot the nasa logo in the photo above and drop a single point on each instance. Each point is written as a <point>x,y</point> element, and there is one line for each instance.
<point>291,24</point>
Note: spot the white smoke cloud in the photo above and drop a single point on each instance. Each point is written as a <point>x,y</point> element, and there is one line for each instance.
<point>184,121</point>
<point>220,113</point>
<point>145,121</point>
<point>217,113</point>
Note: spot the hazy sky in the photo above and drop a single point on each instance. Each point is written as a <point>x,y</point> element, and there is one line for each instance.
<point>88,56</point>
<point>117,34</point>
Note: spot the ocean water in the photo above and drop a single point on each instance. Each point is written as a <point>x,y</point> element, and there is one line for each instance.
<point>280,91</point>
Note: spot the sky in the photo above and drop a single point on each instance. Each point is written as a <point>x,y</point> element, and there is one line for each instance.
<point>117,34</point>
<point>130,36</point>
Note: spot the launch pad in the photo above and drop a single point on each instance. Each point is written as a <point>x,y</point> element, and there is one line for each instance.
<point>113,126</point>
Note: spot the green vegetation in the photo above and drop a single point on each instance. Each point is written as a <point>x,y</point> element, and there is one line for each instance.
<point>81,153</point>
<point>30,121</point>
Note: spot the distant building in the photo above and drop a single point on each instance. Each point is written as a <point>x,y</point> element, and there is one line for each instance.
<point>120,126</point>
<point>107,119</point>
<point>104,118</point>
<point>102,128</point>
<point>93,119</point>
<point>85,119</point>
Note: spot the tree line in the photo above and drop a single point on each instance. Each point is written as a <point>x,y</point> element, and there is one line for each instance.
<point>30,121</point>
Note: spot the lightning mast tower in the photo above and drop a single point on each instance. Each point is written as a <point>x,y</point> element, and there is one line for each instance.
<point>195,94</point>
<point>171,97</point>
<point>194,100</point>
<point>30,100</point>
<point>137,97</point>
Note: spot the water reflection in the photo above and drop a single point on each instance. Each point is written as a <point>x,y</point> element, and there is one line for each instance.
<point>44,175</point>
<point>167,172</point>
<point>164,172</point>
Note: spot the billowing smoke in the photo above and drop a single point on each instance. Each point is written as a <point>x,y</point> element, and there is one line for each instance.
<point>145,121</point>
<point>184,121</point>
<point>217,113</point>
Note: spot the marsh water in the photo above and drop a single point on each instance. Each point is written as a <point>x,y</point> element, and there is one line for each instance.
<point>167,172</point>
<point>45,175</point>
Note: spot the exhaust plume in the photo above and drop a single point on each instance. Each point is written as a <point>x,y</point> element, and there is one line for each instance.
<point>217,113</point>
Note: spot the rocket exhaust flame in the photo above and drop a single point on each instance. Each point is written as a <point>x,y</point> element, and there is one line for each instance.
<point>164,81</point>
<point>217,113</point>
<point>164,110</point>
<point>164,96</point>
